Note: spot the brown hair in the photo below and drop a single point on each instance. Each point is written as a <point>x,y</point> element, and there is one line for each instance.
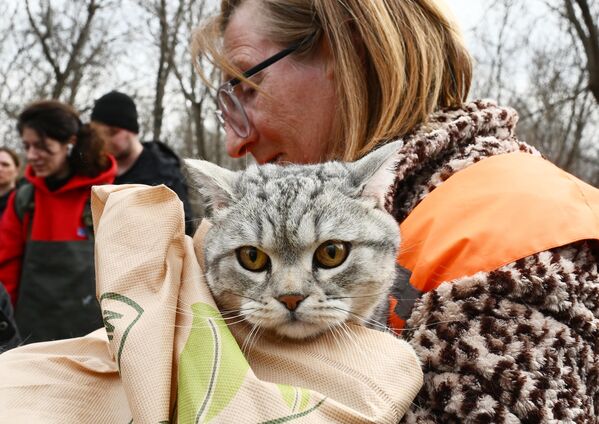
<point>13,155</point>
<point>396,61</point>
<point>60,122</point>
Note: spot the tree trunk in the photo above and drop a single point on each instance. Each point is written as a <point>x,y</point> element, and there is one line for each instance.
<point>198,119</point>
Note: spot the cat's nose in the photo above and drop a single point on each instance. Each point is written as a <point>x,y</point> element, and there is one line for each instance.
<point>291,301</point>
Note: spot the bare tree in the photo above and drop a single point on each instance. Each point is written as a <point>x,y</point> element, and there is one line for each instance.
<point>167,39</point>
<point>202,136</point>
<point>67,44</point>
<point>49,48</point>
<point>584,22</point>
<point>541,71</point>
<point>195,93</point>
<point>9,79</point>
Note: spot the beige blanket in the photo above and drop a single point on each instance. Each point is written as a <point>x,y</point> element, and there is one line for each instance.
<point>166,355</point>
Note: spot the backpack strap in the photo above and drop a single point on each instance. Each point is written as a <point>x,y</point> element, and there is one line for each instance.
<point>25,203</point>
<point>24,200</point>
<point>87,219</point>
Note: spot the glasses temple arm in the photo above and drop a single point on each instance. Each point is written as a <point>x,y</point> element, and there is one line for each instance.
<point>280,55</point>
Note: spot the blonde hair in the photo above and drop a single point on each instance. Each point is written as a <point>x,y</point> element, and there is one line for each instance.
<point>395,61</point>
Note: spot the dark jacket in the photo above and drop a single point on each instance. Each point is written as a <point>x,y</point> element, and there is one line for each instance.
<point>9,335</point>
<point>156,165</point>
<point>4,201</point>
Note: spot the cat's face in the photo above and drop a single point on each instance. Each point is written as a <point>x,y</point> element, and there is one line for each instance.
<point>300,249</point>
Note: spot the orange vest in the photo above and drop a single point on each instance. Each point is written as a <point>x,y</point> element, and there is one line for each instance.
<point>494,212</point>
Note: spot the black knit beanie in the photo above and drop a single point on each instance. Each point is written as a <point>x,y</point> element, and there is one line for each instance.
<point>116,110</point>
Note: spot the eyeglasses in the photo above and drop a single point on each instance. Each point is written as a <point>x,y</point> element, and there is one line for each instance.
<point>230,110</point>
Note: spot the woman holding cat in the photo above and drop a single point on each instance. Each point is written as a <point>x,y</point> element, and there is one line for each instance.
<point>501,306</point>
<point>46,235</point>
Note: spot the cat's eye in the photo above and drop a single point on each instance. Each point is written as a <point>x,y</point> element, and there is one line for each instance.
<point>331,253</point>
<point>252,258</point>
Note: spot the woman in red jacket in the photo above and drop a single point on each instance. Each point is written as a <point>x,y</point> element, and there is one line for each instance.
<point>46,238</point>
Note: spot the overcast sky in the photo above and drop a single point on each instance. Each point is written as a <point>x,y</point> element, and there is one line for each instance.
<point>468,13</point>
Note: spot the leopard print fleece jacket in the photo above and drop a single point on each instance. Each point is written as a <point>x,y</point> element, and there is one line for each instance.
<point>516,345</point>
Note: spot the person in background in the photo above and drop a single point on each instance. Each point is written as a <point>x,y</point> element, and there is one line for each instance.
<point>114,116</point>
<point>502,304</point>
<point>46,233</point>
<point>9,172</point>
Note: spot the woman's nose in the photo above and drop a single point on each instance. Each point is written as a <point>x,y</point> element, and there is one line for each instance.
<point>30,154</point>
<point>238,147</point>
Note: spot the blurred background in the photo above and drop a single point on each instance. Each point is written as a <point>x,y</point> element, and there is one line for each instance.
<point>539,56</point>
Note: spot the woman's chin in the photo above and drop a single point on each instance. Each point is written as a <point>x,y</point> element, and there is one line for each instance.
<point>41,173</point>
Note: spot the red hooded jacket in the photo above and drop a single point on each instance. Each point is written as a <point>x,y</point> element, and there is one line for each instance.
<point>57,216</point>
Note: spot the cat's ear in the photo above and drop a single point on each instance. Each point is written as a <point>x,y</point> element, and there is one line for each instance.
<point>212,181</point>
<point>374,174</point>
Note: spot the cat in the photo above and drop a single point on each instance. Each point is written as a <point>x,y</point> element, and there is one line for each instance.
<point>301,249</point>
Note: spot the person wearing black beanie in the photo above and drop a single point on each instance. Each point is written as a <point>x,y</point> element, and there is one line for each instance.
<point>116,109</point>
<point>114,117</point>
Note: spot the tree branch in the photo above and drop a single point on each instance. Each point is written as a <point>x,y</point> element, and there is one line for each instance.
<point>588,35</point>
<point>43,38</point>
<point>82,38</point>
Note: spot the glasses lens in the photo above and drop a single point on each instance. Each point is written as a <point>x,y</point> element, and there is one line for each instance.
<point>232,113</point>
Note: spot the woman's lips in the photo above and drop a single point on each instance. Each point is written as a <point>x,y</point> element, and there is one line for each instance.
<point>37,168</point>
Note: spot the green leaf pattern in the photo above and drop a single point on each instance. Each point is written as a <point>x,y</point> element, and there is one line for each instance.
<point>212,369</point>
<point>296,398</point>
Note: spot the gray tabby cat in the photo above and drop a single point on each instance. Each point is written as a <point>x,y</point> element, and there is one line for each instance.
<point>301,249</point>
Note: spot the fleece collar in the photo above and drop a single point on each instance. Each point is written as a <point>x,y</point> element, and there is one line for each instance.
<point>450,141</point>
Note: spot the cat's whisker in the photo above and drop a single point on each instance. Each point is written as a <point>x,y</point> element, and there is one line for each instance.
<point>256,337</point>
<point>236,321</point>
<point>365,320</point>
<point>405,248</point>
<point>357,297</point>
<point>247,339</point>
<point>351,337</point>
<point>180,304</point>
<point>338,337</point>
<point>243,296</point>
<point>192,327</point>
<point>238,312</point>
<point>332,333</point>
<point>235,317</point>
<point>430,324</point>
<point>354,346</point>
<point>251,338</point>
<point>240,321</point>
<point>348,340</point>
<point>180,312</point>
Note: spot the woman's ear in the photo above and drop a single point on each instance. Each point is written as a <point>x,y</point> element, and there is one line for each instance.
<point>326,55</point>
<point>329,59</point>
<point>358,44</point>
